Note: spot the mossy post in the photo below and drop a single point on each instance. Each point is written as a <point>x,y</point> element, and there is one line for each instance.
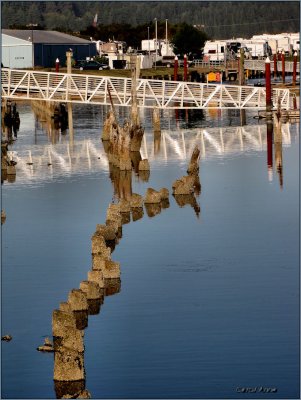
<point>134,110</point>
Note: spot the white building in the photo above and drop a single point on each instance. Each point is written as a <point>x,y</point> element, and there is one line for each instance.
<point>16,53</point>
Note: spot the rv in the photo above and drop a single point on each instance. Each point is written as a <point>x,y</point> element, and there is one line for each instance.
<point>214,50</point>
<point>259,48</point>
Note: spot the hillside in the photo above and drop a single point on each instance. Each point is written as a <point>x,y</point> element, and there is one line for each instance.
<point>217,19</point>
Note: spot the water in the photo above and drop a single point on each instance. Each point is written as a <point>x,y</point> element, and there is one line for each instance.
<point>209,300</point>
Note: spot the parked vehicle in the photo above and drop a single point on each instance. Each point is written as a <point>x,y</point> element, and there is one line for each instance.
<point>90,65</point>
<point>214,50</point>
<point>221,50</point>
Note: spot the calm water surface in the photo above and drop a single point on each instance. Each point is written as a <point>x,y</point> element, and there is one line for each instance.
<point>209,300</point>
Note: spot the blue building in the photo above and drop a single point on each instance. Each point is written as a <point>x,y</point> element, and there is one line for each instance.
<point>28,48</point>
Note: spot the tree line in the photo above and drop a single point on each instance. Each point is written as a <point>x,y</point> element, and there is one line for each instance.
<point>217,19</point>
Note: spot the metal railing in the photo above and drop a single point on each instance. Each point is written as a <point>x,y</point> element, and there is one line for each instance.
<point>259,65</point>
<point>94,89</point>
<point>254,65</point>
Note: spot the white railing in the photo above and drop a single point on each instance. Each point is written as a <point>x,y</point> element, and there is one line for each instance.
<point>259,65</point>
<point>94,89</point>
<point>254,65</point>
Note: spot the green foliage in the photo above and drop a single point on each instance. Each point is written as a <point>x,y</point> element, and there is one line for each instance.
<point>218,19</point>
<point>188,40</point>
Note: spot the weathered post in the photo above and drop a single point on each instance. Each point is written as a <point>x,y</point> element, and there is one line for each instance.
<point>57,65</point>
<point>283,66</point>
<point>242,67</point>
<point>69,55</point>
<point>295,68</point>
<point>175,71</point>
<point>185,67</point>
<point>275,65</point>
<point>134,110</point>
<point>268,90</point>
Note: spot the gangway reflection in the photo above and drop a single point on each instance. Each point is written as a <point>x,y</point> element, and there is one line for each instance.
<point>50,161</point>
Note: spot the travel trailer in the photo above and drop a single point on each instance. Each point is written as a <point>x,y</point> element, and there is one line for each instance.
<point>259,48</point>
<point>221,50</point>
<point>214,50</point>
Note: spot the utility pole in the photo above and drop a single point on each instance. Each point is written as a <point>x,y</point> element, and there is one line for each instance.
<point>156,41</point>
<point>148,41</point>
<point>166,37</point>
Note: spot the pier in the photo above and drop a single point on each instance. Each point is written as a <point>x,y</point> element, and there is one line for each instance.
<point>93,89</point>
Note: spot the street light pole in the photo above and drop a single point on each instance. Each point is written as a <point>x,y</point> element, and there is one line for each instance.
<point>166,39</point>
<point>156,34</point>
<point>32,47</point>
<point>148,41</point>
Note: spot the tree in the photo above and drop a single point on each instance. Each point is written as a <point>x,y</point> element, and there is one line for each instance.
<point>188,40</point>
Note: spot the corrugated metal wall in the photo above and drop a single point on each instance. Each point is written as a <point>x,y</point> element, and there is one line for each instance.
<point>46,54</point>
<point>17,56</point>
<point>16,53</point>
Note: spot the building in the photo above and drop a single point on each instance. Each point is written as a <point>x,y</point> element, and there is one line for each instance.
<point>28,48</point>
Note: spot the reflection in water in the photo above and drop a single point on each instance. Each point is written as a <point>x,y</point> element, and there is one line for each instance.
<point>270,150</point>
<point>278,155</point>
<point>51,161</point>
<point>103,280</point>
<point>70,320</point>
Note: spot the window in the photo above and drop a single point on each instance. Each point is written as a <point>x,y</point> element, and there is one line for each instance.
<point>222,49</point>
<point>211,51</point>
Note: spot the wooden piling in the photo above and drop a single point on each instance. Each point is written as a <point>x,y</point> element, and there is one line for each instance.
<point>295,68</point>
<point>283,66</point>
<point>175,71</point>
<point>241,67</point>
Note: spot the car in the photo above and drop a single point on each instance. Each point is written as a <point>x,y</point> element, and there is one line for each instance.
<point>90,64</point>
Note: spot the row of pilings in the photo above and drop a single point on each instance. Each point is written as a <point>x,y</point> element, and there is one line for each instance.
<point>70,320</point>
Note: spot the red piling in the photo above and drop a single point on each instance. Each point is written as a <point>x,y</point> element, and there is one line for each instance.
<point>283,67</point>
<point>185,67</point>
<point>57,65</point>
<point>268,89</point>
<point>175,71</point>
<point>295,68</point>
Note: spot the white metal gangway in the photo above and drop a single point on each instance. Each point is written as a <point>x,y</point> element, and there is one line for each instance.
<point>94,89</point>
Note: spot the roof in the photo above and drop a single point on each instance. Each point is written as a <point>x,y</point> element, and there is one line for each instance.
<point>51,37</point>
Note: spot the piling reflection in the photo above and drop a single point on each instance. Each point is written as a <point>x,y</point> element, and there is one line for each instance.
<point>278,155</point>
<point>270,150</point>
<point>70,320</point>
